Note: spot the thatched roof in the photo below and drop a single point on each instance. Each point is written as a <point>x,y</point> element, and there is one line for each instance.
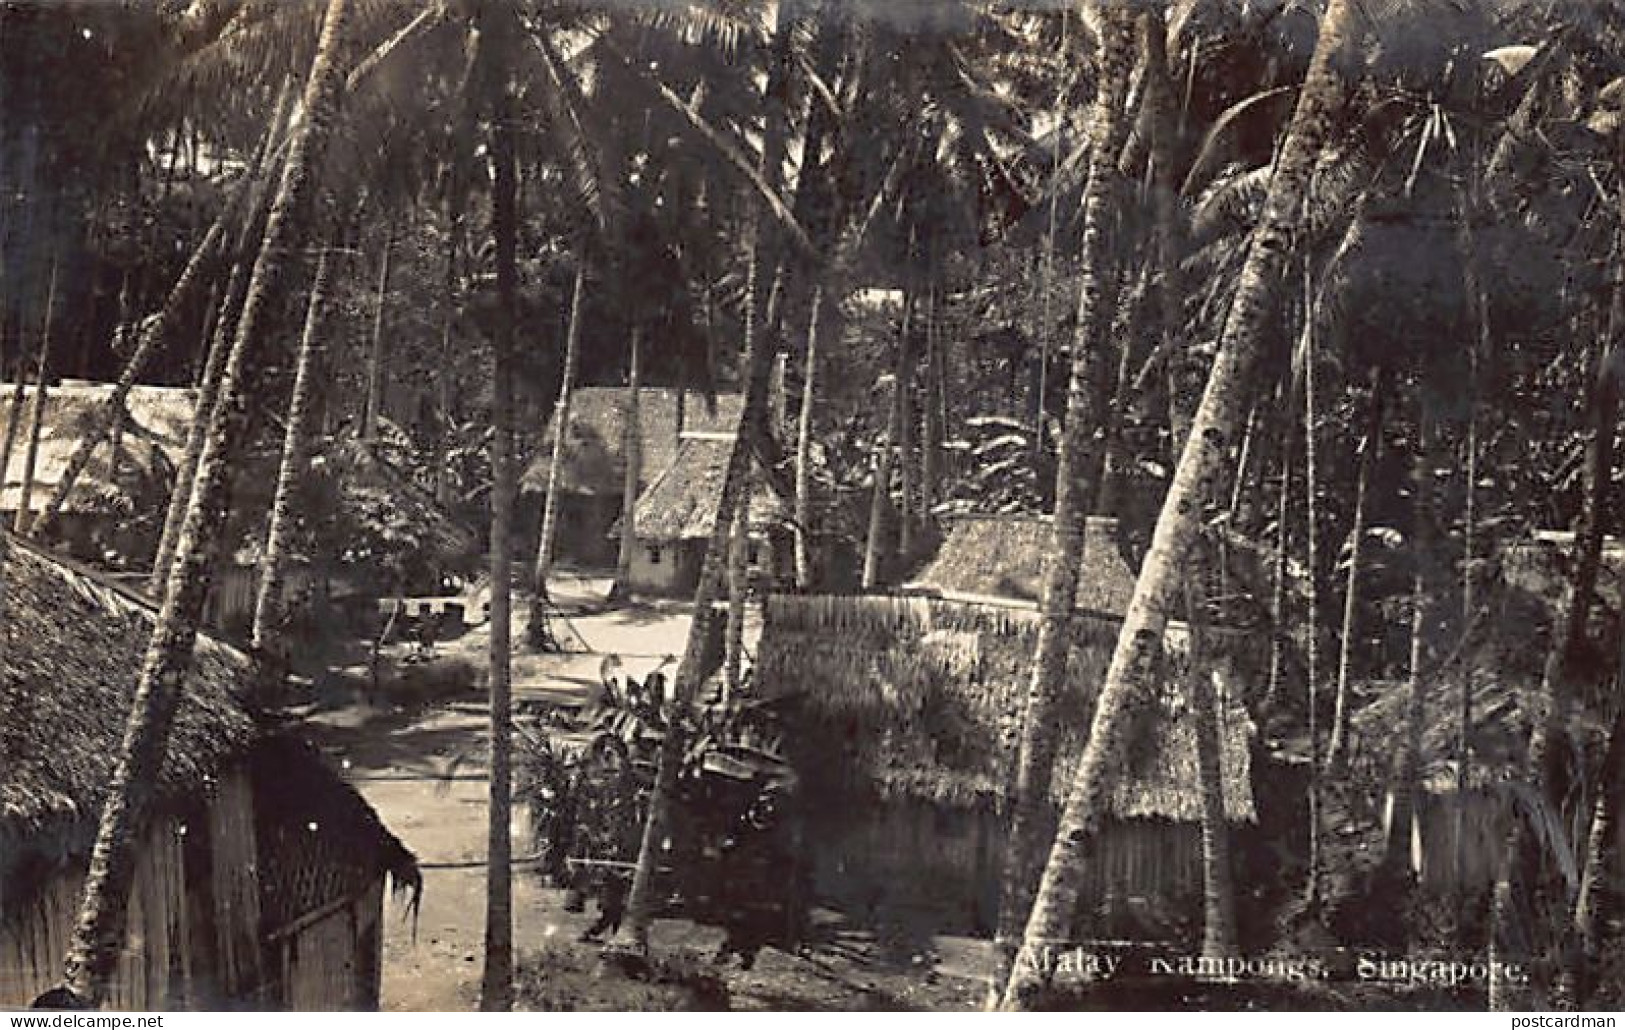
<point>681,504</point>
<point>377,491</point>
<point>1506,655</point>
<point>1003,556</point>
<point>74,641</point>
<point>151,446</point>
<point>920,698</point>
<point>594,454</point>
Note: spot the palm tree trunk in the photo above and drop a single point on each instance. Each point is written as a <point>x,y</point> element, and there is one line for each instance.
<point>903,438</point>
<point>876,565</point>
<point>931,428</point>
<point>1524,868</point>
<point>738,591</point>
<point>496,980</point>
<point>1598,898</point>
<point>227,318</point>
<point>804,431</point>
<point>1337,745</point>
<point>1077,480</point>
<point>107,417</point>
<point>1283,538</point>
<point>555,465</point>
<point>36,412</point>
<point>375,351</point>
<point>632,480</point>
<point>295,452</point>
<point>1311,472</point>
<point>1402,795</point>
<point>98,935</point>
<point>1130,676</point>
<point>641,901</point>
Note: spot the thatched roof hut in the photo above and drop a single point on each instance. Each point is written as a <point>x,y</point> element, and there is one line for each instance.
<point>594,455</point>
<point>1002,556</point>
<point>75,639</point>
<point>682,502</point>
<point>150,446</point>
<point>259,879</point>
<point>376,492</point>
<point>920,698</point>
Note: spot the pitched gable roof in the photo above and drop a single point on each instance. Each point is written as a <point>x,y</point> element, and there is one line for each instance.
<point>594,454</point>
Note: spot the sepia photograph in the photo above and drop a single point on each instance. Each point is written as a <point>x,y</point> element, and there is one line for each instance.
<point>812,506</point>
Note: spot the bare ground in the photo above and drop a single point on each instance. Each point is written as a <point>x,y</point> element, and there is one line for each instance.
<point>425,774</point>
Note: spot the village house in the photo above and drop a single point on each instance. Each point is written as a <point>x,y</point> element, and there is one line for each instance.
<point>674,518</point>
<point>914,703</point>
<point>1524,602</point>
<point>115,511</point>
<point>592,473</point>
<point>261,876</point>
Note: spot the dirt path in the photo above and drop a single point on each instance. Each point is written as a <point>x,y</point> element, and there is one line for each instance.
<point>425,774</point>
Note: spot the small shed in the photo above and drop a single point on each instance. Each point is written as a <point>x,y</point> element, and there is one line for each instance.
<point>593,469</point>
<point>674,518</point>
<point>261,873</point>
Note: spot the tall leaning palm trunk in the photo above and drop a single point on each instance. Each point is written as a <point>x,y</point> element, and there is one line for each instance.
<point>36,411</point>
<point>1337,743</point>
<point>640,905</point>
<point>876,553</point>
<point>108,418</point>
<point>99,931</point>
<point>496,979</point>
<point>295,456</point>
<point>1130,678</point>
<point>804,433</point>
<point>217,349</point>
<point>632,477</point>
<point>1402,795</point>
<point>1077,479</point>
<point>374,401</point>
<point>555,467</point>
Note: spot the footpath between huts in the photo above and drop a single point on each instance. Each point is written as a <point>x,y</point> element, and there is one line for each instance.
<point>399,759</point>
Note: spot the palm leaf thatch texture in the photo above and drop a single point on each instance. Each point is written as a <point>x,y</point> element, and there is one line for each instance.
<point>918,698</point>
<point>71,637</point>
<point>594,458</point>
<point>1003,556</point>
<point>153,438</point>
<point>681,504</point>
<point>378,493</point>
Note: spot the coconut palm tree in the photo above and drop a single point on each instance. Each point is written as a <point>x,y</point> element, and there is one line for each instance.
<point>555,467</point>
<point>36,411</point>
<point>294,464</point>
<point>99,930</point>
<point>1218,420</point>
<point>1077,478</point>
<point>498,28</point>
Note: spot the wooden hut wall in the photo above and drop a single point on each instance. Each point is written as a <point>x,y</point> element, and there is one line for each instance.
<point>915,864</point>
<point>235,887</point>
<point>154,971</point>
<point>332,959</point>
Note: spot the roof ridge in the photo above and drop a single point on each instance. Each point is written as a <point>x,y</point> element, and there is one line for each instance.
<point>106,581</point>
